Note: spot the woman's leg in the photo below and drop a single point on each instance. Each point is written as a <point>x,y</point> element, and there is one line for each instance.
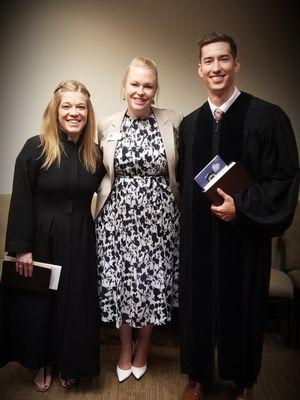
<point>142,346</point>
<point>125,334</point>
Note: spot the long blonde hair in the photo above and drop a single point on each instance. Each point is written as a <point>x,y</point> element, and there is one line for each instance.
<point>52,145</point>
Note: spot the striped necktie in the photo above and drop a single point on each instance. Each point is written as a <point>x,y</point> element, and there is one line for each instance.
<point>218,114</point>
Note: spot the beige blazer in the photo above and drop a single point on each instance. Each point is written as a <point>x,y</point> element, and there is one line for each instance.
<point>168,122</point>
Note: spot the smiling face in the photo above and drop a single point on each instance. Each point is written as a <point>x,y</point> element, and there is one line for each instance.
<point>217,68</point>
<point>140,89</point>
<point>72,113</point>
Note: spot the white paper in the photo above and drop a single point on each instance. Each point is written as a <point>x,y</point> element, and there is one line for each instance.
<point>218,176</point>
<point>55,271</point>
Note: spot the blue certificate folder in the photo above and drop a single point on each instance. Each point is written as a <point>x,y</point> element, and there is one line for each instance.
<point>214,167</point>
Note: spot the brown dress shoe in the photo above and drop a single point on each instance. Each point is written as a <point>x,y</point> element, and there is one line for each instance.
<point>245,394</point>
<point>192,391</point>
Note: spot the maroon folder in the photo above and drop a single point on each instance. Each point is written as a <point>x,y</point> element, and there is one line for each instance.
<point>235,179</point>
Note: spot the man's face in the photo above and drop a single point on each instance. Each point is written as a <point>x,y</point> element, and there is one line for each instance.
<point>217,68</point>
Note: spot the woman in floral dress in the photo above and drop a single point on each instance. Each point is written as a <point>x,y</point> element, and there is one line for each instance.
<point>137,217</point>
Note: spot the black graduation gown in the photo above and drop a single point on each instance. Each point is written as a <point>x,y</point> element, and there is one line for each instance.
<point>50,216</point>
<point>225,267</point>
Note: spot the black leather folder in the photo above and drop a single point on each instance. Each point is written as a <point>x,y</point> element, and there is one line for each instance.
<point>38,282</point>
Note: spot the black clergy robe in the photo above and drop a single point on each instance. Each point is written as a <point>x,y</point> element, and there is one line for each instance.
<point>50,216</point>
<point>225,267</point>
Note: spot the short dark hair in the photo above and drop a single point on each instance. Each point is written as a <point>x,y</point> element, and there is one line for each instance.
<point>214,37</point>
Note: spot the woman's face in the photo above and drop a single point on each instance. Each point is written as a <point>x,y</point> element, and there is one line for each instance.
<point>72,113</point>
<point>140,89</point>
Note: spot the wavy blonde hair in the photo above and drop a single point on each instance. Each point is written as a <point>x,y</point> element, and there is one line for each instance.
<point>142,62</point>
<point>52,145</point>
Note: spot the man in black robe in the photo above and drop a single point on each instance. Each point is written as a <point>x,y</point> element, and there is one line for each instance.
<point>226,250</point>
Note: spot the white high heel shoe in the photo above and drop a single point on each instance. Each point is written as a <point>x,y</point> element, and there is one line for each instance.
<point>138,372</point>
<point>123,374</point>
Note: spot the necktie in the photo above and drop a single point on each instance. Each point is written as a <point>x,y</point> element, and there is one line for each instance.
<point>218,114</point>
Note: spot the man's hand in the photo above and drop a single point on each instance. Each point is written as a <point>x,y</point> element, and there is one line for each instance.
<point>226,211</point>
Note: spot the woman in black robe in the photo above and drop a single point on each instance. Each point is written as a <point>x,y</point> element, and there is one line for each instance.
<point>56,175</point>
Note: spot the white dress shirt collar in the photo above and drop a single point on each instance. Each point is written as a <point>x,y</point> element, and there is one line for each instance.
<point>224,107</point>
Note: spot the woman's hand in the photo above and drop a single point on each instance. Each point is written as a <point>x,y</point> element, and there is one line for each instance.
<point>24,264</point>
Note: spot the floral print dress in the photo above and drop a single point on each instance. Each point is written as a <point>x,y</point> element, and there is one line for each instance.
<point>138,232</point>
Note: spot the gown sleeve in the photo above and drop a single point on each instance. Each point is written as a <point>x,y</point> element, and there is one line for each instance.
<point>272,158</point>
<point>20,225</point>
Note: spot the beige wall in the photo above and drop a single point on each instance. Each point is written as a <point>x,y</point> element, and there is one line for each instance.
<point>93,41</point>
